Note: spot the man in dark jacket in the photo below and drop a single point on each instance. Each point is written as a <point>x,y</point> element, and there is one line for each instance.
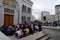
<point>39,24</point>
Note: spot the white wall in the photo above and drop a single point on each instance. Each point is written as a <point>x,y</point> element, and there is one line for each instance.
<point>1,13</point>
<point>20,5</point>
<point>27,4</point>
<point>33,18</point>
<point>1,16</point>
<point>15,21</point>
<point>16,17</point>
<point>15,14</point>
<point>51,18</point>
<point>57,11</point>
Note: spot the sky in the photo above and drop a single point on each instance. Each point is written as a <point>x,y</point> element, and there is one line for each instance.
<point>43,5</point>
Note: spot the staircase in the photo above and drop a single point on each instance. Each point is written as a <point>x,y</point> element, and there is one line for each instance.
<point>35,36</point>
<point>44,37</point>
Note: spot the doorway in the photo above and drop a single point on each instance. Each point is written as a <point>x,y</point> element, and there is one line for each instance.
<point>8,19</point>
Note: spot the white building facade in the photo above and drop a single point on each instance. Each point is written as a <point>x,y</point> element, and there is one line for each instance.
<point>44,14</point>
<point>57,11</point>
<point>11,11</point>
<point>8,12</point>
<point>25,10</point>
<point>51,18</point>
<point>32,18</point>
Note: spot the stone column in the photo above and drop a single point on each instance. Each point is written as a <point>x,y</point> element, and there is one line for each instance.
<point>1,13</point>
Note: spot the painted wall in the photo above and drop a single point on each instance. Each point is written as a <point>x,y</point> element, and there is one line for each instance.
<point>1,13</point>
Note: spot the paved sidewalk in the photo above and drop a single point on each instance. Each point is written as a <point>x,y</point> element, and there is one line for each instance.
<point>30,37</point>
<point>3,37</point>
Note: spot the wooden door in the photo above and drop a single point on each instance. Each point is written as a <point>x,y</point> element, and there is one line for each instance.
<point>8,20</point>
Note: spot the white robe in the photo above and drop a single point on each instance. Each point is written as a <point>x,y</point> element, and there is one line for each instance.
<point>19,32</point>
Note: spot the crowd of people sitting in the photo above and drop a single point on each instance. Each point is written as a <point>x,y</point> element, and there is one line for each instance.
<point>21,30</point>
<point>54,24</point>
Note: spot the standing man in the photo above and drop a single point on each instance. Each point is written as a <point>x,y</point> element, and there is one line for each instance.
<point>39,24</point>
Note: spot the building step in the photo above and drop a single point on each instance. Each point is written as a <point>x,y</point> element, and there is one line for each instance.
<point>35,36</point>
<point>13,38</point>
<point>45,37</point>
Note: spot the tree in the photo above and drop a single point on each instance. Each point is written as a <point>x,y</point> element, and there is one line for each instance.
<point>36,21</point>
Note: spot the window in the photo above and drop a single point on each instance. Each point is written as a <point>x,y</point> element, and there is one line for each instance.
<point>44,18</point>
<point>23,19</point>
<point>28,19</point>
<point>8,10</point>
<point>29,10</point>
<point>59,8</point>
<point>23,8</point>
